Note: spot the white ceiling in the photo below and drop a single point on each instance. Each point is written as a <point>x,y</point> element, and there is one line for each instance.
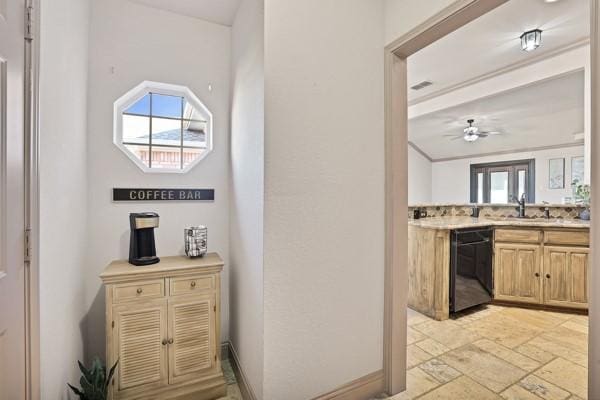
<point>542,114</point>
<point>217,11</point>
<point>491,42</point>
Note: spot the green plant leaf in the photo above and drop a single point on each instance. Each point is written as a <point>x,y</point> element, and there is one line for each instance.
<point>111,373</point>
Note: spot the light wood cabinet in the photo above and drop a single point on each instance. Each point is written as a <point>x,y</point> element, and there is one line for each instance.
<point>162,324</point>
<point>552,271</point>
<point>517,270</point>
<point>565,276</point>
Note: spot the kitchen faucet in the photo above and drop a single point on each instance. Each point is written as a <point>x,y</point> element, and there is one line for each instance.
<point>522,206</point>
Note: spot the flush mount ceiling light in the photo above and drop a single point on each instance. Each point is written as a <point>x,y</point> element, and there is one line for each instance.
<point>531,40</point>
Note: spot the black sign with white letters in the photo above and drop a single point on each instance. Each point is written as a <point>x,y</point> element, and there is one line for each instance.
<point>163,194</point>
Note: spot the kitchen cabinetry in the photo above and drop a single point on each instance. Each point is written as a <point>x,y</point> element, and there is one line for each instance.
<point>542,266</point>
<point>162,324</point>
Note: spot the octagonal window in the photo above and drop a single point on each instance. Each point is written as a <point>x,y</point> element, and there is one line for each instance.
<point>162,127</point>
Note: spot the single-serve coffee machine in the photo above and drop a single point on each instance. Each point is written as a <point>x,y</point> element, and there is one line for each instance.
<point>142,248</point>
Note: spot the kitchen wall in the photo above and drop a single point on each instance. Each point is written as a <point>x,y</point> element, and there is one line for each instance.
<point>324,195</point>
<point>419,177</point>
<point>247,191</point>
<point>63,193</point>
<point>450,179</point>
<point>130,43</point>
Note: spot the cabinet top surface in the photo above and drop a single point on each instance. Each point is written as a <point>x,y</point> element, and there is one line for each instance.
<point>211,262</point>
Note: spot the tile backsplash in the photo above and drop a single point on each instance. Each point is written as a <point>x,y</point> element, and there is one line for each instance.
<point>570,211</point>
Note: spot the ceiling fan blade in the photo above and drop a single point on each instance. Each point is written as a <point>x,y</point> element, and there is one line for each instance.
<point>457,137</point>
<point>491,132</point>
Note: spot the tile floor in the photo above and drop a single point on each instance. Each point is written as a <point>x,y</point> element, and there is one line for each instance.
<point>497,353</point>
<point>233,391</point>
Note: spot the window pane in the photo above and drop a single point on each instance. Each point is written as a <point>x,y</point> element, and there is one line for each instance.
<point>499,187</point>
<point>142,106</point>
<point>166,157</point>
<point>141,152</point>
<point>166,106</point>
<point>190,155</point>
<point>480,187</point>
<point>521,182</point>
<point>194,134</point>
<point>136,129</point>
<point>166,132</point>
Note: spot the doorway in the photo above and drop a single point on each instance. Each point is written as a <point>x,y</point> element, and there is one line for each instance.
<point>396,300</point>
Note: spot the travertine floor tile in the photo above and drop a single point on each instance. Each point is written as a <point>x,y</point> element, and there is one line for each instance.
<point>413,336</point>
<point>535,353</point>
<point>504,330</point>
<point>462,388</point>
<point>441,371</point>
<point>483,367</point>
<point>568,338</point>
<point>417,383</point>
<point>516,392</point>
<point>581,320</point>
<point>577,327</point>
<point>559,350</point>
<point>567,375</point>
<point>508,355</point>
<point>432,347</point>
<point>535,318</point>
<point>415,356</point>
<point>543,389</point>
<point>448,333</point>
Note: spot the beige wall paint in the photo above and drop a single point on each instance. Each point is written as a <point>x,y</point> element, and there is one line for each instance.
<point>247,191</point>
<point>140,43</point>
<point>419,177</point>
<point>403,15</point>
<point>324,195</point>
<point>63,193</point>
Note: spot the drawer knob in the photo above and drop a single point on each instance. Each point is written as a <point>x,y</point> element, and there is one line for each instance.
<point>140,290</point>
<point>164,342</point>
<point>537,274</point>
<point>548,276</point>
<point>193,284</point>
<point>170,341</point>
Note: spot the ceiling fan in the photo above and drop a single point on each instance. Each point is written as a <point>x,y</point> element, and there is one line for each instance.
<point>472,133</point>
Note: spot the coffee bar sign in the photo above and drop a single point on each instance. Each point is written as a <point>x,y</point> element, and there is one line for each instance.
<point>120,194</point>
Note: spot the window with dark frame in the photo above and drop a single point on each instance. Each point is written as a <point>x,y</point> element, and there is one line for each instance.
<point>503,182</point>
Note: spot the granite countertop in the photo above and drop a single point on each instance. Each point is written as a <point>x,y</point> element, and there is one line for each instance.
<point>481,205</point>
<point>468,222</point>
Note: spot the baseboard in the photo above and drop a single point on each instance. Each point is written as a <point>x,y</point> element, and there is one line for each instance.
<point>363,388</point>
<point>242,381</point>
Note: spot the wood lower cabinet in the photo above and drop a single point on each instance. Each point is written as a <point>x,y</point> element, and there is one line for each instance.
<point>565,276</point>
<point>552,269</point>
<point>517,270</point>
<point>163,327</point>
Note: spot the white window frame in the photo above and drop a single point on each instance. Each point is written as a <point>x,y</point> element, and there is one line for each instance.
<point>136,94</point>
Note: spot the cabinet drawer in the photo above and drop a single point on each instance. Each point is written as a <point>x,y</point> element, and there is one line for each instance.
<point>577,238</point>
<point>518,235</point>
<point>190,285</point>
<point>138,290</point>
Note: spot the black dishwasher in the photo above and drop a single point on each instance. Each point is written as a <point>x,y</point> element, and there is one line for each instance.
<point>471,276</point>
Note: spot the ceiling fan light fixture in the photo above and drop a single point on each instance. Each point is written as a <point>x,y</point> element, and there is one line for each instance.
<point>470,137</point>
<point>531,40</point>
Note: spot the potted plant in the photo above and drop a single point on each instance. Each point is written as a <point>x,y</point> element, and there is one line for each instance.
<point>582,197</point>
<point>94,381</point>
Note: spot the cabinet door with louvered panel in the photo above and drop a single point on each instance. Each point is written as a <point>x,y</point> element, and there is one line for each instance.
<point>192,353</point>
<point>138,336</point>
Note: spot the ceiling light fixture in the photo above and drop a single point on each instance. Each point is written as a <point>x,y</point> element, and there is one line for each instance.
<point>531,40</point>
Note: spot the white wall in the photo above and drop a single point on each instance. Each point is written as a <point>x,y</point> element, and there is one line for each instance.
<point>324,195</point>
<point>247,191</point>
<point>63,194</point>
<point>403,15</point>
<point>451,178</point>
<point>419,177</point>
<point>130,43</point>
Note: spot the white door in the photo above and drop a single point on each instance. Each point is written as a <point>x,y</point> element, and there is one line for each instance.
<point>12,210</point>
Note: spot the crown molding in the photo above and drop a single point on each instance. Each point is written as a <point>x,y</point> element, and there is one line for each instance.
<point>500,71</point>
<point>420,151</point>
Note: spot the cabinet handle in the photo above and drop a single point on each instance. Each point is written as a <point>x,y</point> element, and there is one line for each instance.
<point>193,284</point>
<point>548,276</point>
<point>537,274</point>
<point>164,342</point>
<point>140,290</point>
<point>170,341</point>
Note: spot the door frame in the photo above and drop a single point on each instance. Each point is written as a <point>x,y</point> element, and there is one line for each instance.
<point>444,22</point>
<point>31,177</point>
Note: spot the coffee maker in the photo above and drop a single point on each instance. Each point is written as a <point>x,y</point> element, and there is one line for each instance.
<point>142,248</point>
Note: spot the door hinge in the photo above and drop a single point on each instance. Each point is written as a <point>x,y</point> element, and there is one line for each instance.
<point>29,23</point>
<point>113,324</point>
<point>215,308</point>
<point>27,254</point>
